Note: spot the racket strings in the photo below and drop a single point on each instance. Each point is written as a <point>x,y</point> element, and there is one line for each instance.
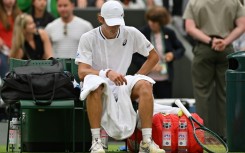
<point>210,141</point>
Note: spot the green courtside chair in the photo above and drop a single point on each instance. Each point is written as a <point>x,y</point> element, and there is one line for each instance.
<point>49,125</point>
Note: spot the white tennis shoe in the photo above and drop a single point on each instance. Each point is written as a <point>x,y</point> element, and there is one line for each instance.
<point>150,147</point>
<point>97,146</point>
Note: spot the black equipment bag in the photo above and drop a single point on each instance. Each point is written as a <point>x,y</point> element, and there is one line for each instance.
<point>39,83</point>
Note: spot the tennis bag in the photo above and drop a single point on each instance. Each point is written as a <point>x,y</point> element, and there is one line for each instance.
<point>193,147</point>
<point>39,83</point>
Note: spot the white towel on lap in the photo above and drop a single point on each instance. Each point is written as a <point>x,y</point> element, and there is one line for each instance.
<point>118,117</point>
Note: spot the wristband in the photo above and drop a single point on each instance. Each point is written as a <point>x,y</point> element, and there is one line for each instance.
<point>107,73</point>
<point>103,73</point>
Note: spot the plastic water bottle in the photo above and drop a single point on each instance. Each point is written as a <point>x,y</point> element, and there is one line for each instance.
<point>14,135</point>
<point>104,138</point>
<point>166,135</point>
<point>182,136</point>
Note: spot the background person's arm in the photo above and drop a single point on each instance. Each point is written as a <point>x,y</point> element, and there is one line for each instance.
<point>1,43</point>
<point>196,33</point>
<point>178,48</point>
<point>18,55</point>
<point>82,3</point>
<point>99,3</point>
<point>46,44</point>
<point>235,33</point>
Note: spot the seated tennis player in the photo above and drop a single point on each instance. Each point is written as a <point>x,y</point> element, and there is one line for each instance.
<point>104,55</point>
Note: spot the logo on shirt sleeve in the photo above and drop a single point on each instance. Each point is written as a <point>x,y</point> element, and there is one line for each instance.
<point>148,46</point>
<point>124,42</point>
<point>78,55</point>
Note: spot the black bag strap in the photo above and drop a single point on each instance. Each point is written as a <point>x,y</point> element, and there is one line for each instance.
<point>27,62</point>
<point>38,102</point>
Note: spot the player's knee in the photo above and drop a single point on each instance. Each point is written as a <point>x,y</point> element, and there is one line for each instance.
<point>97,92</point>
<point>145,88</point>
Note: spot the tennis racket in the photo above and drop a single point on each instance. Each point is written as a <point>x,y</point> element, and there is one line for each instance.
<point>206,138</point>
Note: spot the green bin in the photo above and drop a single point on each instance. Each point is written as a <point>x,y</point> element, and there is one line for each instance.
<point>235,84</point>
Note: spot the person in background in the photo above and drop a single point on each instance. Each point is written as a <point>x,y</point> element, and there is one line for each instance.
<point>52,7</point>
<point>90,3</point>
<point>39,13</point>
<point>133,4</point>
<point>25,6</point>
<point>168,46</point>
<point>175,7</point>
<point>65,32</point>
<point>28,41</point>
<point>130,4</point>
<point>8,12</point>
<point>215,25</point>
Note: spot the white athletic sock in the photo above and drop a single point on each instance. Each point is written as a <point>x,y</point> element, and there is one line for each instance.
<point>146,133</point>
<point>95,133</point>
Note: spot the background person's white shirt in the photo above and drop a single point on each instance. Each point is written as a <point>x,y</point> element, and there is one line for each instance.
<point>65,46</point>
<point>115,54</point>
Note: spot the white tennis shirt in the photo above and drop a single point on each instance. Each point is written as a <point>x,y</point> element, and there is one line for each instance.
<point>115,54</point>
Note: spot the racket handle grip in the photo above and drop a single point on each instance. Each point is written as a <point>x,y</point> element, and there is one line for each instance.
<point>182,107</point>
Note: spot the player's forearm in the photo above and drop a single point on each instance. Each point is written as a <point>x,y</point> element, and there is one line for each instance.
<point>146,67</point>
<point>84,69</point>
<point>85,72</point>
<point>151,61</point>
